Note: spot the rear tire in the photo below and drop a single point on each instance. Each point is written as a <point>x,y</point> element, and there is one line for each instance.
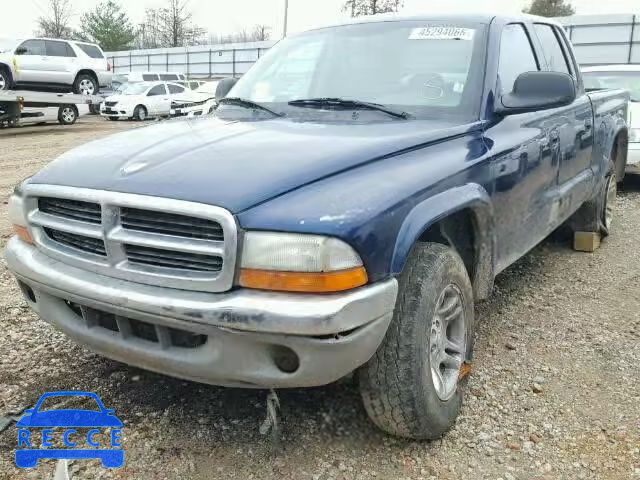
<point>140,113</point>
<point>596,215</point>
<point>85,84</point>
<point>67,114</point>
<point>432,331</point>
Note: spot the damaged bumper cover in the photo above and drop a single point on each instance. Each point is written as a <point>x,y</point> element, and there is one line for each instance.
<point>244,332</point>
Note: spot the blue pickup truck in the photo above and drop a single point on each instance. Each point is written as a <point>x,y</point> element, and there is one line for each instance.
<point>351,198</point>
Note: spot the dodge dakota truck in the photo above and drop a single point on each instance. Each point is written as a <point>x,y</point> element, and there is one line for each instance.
<point>341,211</point>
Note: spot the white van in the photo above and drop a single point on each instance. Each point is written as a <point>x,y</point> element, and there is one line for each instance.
<point>135,77</point>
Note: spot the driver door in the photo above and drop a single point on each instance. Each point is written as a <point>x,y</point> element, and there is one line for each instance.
<point>156,97</point>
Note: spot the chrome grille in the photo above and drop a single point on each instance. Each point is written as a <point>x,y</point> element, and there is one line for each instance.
<point>73,209</point>
<point>152,240</point>
<point>171,224</point>
<point>169,259</point>
<point>79,242</point>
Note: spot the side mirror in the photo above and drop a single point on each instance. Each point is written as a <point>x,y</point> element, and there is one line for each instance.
<point>535,91</point>
<point>224,86</point>
<point>21,51</point>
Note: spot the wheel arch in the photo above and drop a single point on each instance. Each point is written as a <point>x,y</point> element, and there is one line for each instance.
<point>87,71</point>
<point>619,151</point>
<point>461,218</point>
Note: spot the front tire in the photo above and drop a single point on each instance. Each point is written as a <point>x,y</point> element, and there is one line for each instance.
<point>412,386</point>
<point>5,79</point>
<point>140,113</point>
<point>85,84</point>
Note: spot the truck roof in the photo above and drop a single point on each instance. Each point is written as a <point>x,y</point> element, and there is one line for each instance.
<point>485,18</point>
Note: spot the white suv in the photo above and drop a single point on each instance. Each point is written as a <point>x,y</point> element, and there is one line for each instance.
<point>61,64</point>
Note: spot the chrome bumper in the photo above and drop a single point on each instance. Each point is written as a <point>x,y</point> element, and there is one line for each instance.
<point>331,335</point>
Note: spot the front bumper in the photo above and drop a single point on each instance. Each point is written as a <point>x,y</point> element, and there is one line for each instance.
<point>633,158</point>
<point>118,111</point>
<point>245,330</point>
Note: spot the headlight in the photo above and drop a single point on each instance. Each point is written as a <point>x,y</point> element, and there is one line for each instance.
<point>634,135</point>
<point>17,218</point>
<point>299,263</point>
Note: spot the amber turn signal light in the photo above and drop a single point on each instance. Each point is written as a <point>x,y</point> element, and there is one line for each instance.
<point>23,234</point>
<point>307,282</point>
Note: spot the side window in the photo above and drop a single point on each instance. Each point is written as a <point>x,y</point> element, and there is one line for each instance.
<point>193,85</point>
<point>516,56</point>
<point>149,77</point>
<point>175,88</point>
<point>157,90</point>
<point>551,48</point>
<point>70,52</point>
<point>32,47</point>
<point>168,76</point>
<point>56,49</point>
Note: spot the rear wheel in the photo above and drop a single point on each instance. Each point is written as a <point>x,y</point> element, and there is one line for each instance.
<point>597,215</point>
<point>140,113</point>
<point>85,84</point>
<point>412,387</point>
<point>67,114</point>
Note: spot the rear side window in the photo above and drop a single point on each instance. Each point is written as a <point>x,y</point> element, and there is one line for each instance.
<point>91,50</point>
<point>175,88</point>
<point>149,77</point>
<point>516,56</point>
<point>551,48</point>
<point>157,90</point>
<point>32,47</point>
<point>168,76</point>
<point>57,49</point>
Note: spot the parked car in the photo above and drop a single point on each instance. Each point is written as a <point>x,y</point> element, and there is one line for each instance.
<point>351,197</point>
<point>52,63</point>
<point>139,101</point>
<point>626,77</point>
<point>200,101</point>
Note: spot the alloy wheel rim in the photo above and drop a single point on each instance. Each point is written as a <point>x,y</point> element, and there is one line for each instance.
<point>612,193</point>
<point>142,114</point>
<point>68,115</point>
<point>3,82</point>
<point>447,342</point>
<point>87,87</point>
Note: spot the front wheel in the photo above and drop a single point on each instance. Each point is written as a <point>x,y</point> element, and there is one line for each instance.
<point>412,387</point>
<point>140,113</point>
<point>5,79</point>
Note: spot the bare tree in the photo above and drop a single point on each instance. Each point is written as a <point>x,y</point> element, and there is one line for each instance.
<point>357,8</point>
<point>171,26</point>
<point>55,24</point>
<point>550,8</point>
<point>258,33</point>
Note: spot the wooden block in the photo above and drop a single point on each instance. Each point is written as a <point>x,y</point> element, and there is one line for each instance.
<point>586,241</point>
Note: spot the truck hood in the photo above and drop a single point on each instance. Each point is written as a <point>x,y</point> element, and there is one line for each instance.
<point>232,164</point>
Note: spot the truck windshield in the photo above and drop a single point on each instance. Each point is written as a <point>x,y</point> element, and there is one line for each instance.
<point>424,68</point>
<point>626,80</point>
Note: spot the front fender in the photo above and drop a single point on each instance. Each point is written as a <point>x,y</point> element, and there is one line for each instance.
<point>428,212</point>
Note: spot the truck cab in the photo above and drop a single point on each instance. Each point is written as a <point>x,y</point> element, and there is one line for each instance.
<point>352,197</point>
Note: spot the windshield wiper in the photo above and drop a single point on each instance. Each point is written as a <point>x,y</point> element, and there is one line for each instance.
<point>243,102</point>
<point>347,103</point>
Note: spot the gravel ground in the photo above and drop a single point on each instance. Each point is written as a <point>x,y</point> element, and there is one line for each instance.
<point>554,393</point>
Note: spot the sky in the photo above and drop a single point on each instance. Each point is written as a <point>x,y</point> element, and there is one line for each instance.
<point>226,16</point>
